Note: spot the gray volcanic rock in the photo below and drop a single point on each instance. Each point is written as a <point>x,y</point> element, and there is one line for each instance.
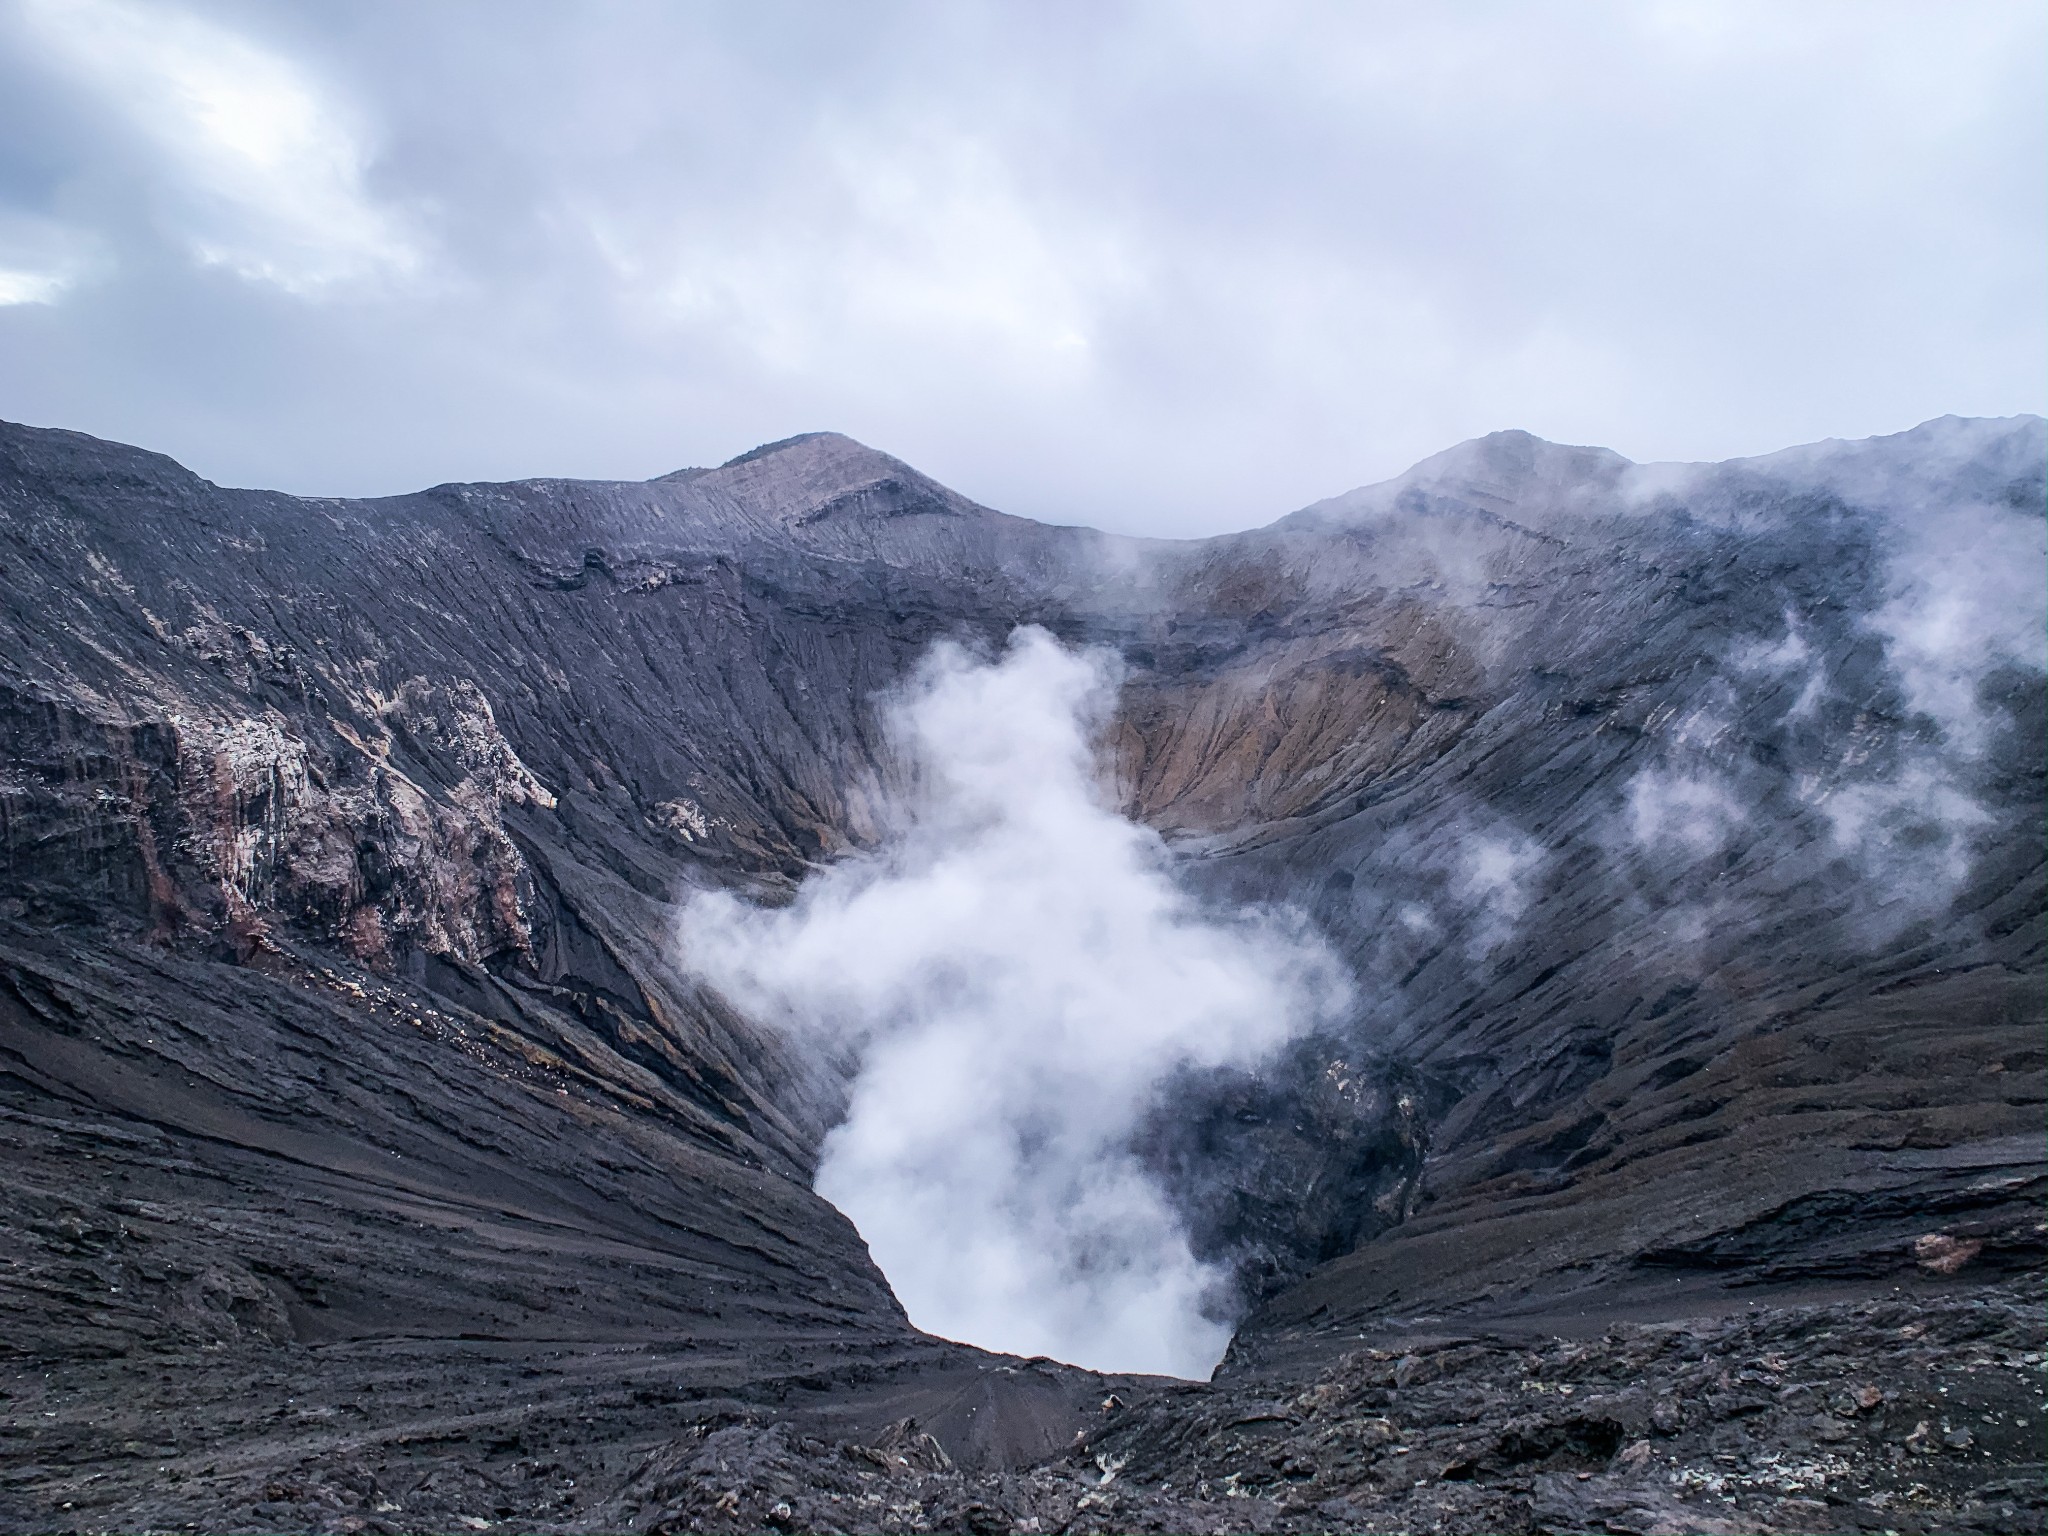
<point>371,1162</point>
<point>1771,1421</point>
<point>1303,1160</point>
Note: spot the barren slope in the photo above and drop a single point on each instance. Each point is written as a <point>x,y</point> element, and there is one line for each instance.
<point>358,1119</point>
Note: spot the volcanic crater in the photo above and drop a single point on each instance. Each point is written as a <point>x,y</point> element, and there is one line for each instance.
<point>374,1165</point>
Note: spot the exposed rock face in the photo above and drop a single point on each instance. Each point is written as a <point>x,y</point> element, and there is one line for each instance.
<point>1687,852</point>
<point>1279,1170</point>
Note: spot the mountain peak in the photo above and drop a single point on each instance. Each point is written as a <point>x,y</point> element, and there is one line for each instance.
<point>827,476</point>
<point>1518,469</point>
<point>1507,469</point>
<point>813,443</point>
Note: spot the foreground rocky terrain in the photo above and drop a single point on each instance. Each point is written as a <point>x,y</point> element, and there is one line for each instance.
<point>1771,1421</point>
<point>371,1163</point>
<point>1918,1413</point>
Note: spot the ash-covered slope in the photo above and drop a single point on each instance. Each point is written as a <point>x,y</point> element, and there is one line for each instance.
<point>1681,824</point>
<point>336,1014</point>
<point>1699,885</point>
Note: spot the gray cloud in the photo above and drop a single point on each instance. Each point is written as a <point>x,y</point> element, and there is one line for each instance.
<point>258,170</point>
<point>1157,267</point>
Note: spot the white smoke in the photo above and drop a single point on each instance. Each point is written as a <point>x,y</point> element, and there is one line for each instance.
<point>1017,973</point>
<point>1694,813</point>
<point>1967,595</point>
<point>1791,659</point>
<point>1917,828</point>
<point>1492,883</point>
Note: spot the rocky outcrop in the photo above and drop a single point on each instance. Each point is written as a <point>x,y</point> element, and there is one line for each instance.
<point>366,1148</point>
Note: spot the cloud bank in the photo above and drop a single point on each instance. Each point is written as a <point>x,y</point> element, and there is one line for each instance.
<point>253,167</point>
<point>1015,974</point>
<point>1163,268</point>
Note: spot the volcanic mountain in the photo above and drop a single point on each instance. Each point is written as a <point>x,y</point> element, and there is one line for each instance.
<point>371,1163</point>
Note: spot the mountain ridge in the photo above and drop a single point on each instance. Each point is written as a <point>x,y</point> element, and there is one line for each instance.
<point>341,840</point>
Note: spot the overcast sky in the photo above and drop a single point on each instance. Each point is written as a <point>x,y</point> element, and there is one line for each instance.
<point>1168,268</point>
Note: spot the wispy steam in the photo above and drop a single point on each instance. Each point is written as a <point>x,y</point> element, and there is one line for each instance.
<point>1017,973</point>
<point>1672,811</point>
<point>1788,659</point>
<point>1492,886</point>
<point>1964,603</point>
<point>1966,597</point>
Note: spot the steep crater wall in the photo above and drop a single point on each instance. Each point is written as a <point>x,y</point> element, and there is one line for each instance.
<point>1547,752</point>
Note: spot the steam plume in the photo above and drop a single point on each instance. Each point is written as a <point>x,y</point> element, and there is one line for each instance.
<point>1016,974</point>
